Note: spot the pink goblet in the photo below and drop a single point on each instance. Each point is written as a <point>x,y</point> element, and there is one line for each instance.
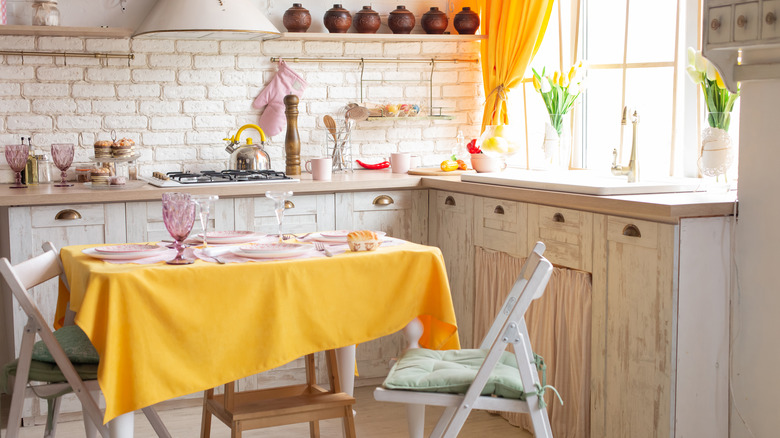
<point>178,216</point>
<point>62,154</point>
<point>16,156</point>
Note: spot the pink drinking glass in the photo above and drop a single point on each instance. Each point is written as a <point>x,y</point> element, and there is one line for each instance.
<point>62,154</point>
<point>16,156</point>
<point>179,217</point>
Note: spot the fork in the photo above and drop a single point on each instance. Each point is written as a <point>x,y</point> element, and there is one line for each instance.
<point>319,246</point>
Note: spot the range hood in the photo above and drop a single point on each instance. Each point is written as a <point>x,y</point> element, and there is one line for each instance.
<point>206,19</point>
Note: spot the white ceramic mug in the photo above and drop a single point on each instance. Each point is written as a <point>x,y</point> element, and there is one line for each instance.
<point>415,161</point>
<point>320,168</point>
<point>399,162</point>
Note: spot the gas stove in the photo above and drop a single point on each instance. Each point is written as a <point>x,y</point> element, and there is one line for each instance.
<point>212,177</point>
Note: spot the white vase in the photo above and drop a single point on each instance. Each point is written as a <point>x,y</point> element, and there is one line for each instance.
<point>556,147</point>
<point>717,152</point>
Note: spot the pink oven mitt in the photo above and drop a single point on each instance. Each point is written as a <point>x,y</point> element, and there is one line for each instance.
<point>285,82</point>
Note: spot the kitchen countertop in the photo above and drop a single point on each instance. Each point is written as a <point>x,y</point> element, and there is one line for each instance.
<point>668,207</point>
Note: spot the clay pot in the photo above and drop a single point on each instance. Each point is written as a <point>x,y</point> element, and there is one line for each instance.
<point>466,22</point>
<point>367,20</point>
<point>337,19</point>
<point>434,21</point>
<point>297,18</point>
<point>401,20</point>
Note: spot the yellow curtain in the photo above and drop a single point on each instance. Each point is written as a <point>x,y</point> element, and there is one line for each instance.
<point>514,29</point>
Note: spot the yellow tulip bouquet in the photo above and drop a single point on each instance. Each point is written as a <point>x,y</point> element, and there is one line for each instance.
<point>720,101</point>
<point>559,92</point>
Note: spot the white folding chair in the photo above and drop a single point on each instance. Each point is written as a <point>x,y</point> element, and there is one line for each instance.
<point>488,378</point>
<point>60,376</point>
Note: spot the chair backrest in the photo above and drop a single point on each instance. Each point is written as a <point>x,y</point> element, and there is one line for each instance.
<point>525,290</point>
<point>30,273</point>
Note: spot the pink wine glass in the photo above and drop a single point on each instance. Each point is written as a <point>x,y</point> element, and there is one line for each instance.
<point>62,154</point>
<point>179,217</point>
<point>16,156</point>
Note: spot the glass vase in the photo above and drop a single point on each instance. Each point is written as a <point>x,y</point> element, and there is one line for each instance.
<point>556,146</point>
<point>717,151</point>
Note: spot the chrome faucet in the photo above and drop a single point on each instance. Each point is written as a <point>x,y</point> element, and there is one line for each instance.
<point>632,170</point>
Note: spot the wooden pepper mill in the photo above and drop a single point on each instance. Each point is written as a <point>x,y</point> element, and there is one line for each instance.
<point>292,142</point>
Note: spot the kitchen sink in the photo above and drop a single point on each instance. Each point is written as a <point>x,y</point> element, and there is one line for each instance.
<point>583,181</point>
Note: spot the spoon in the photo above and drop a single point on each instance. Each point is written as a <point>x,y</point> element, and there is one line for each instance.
<point>330,124</point>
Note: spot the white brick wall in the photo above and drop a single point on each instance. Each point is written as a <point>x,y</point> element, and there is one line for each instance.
<point>179,99</point>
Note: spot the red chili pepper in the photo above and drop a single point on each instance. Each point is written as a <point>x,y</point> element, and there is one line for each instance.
<point>382,165</point>
<point>472,147</point>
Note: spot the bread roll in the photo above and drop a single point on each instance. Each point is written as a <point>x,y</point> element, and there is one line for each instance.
<point>363,240</point>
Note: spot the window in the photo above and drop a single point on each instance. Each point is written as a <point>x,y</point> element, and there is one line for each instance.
<point>636,56</point>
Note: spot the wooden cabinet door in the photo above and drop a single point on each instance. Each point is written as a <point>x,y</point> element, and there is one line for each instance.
<point>634,296</point>
<point>399,213</point>
<point>451,221</point>
<point>501,225</point>
<point>304,214</point>
<point>567,235</point>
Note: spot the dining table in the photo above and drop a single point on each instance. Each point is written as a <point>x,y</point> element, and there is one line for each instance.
<point>164,331</point>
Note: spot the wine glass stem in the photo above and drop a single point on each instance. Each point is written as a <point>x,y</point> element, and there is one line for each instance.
<point>64,176</point>
<point>204,221</point>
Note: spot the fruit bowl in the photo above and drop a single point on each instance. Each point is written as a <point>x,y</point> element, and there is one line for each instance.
<point>499,141</point>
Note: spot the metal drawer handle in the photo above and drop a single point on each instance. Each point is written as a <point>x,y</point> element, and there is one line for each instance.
<point>67,215</point>
<point>741,21</point>
<point>632,230</point>
<point>771,18</point>
<point>498,210</point>
<point>383,200</point>
<point>449,201</point>
<point>557,217</point>
<point>288,204</point>
<point>715,24</point>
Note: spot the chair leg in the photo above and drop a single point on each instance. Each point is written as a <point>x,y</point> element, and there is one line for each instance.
<point>311,380</point>
<point>205,423</point>
<point>236,430</point>
<point>20,382</point>
<point>349,423</point>
<point>156,422</point>
<point>314,429</point>
<point>415,417</point>
<point>52,417</point>
<point>90,430</point>
<point>444,421</point>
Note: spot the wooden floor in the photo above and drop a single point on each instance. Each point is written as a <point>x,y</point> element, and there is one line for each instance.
<point>374,420</point>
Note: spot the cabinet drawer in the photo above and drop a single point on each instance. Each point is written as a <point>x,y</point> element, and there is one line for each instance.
<point>384,200</point>
<point>304,214</point>
<point>567,234</point>
<point>632,231</point>
<point>501,225</point>
<point>719,25</point>
<point>47,216</point>
<point>746,22</point>
<point>450,202</point>
<point>770,14</point>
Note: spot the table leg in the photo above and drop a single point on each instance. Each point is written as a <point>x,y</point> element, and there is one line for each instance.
<point>345,359</point>
<point>122,426</point>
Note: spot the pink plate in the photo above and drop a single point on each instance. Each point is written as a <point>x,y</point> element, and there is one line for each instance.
<point>335,234</point>
<point>129,248</point>
<point>272,250</point>
<point>218,237</point>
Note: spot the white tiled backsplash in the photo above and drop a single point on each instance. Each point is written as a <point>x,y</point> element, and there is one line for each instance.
<point>179,99</point>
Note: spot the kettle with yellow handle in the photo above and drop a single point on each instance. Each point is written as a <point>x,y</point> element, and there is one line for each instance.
<point>248,156</point>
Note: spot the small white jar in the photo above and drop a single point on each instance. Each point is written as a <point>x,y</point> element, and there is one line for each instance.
<point>45,13</point>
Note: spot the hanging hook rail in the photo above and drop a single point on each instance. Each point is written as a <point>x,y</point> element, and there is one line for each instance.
<point>24,53</point>
<point>381,60</point>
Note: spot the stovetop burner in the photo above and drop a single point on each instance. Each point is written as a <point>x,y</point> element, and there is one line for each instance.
<point>218,177</point>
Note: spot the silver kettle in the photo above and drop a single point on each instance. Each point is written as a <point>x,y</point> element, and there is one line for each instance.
<point>247,156</point>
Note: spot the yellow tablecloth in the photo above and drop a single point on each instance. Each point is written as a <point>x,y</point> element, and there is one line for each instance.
<point>164,331</point>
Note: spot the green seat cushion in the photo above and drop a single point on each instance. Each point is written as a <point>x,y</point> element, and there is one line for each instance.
<point>74,341</point>
<point>47,372</point>
<point>452,371</point>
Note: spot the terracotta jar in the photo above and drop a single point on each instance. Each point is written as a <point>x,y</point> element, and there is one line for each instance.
<point>434,21</point>
<point>466,22</point>
<point>297,18</point>
<point>401,20</point>
<point>337,19</point>
<point>367,20</point>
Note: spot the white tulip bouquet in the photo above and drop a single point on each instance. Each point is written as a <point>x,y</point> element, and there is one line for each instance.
<point>559,92</point>
<point>720,101</point>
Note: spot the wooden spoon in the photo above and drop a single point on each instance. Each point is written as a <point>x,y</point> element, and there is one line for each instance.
<point>331,125</point>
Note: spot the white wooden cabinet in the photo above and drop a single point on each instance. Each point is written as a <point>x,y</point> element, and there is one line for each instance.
<point>145,222</point>
<point>399,213</point>
<point>304,214</point>
<point>28,228</point>
<point>451,219</point>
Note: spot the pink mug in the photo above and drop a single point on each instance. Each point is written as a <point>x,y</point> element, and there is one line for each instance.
<point>320,168</point>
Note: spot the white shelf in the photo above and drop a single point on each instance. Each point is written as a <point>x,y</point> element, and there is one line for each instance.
<point>67,31</point>
<point>386,37</point>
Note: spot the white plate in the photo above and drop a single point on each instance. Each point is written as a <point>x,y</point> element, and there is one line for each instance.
<point>332,237</point>
<point>338,234</point>
<point>122,255</point>
<point>127,248</point>
<point>272,250</point>
<point>217,237</point>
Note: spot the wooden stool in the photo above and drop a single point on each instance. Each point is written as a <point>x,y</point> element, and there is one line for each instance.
<point>260,408</point>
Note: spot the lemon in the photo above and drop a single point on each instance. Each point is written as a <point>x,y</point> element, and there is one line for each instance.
<point>496,144</point>
<point>498,131</point>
